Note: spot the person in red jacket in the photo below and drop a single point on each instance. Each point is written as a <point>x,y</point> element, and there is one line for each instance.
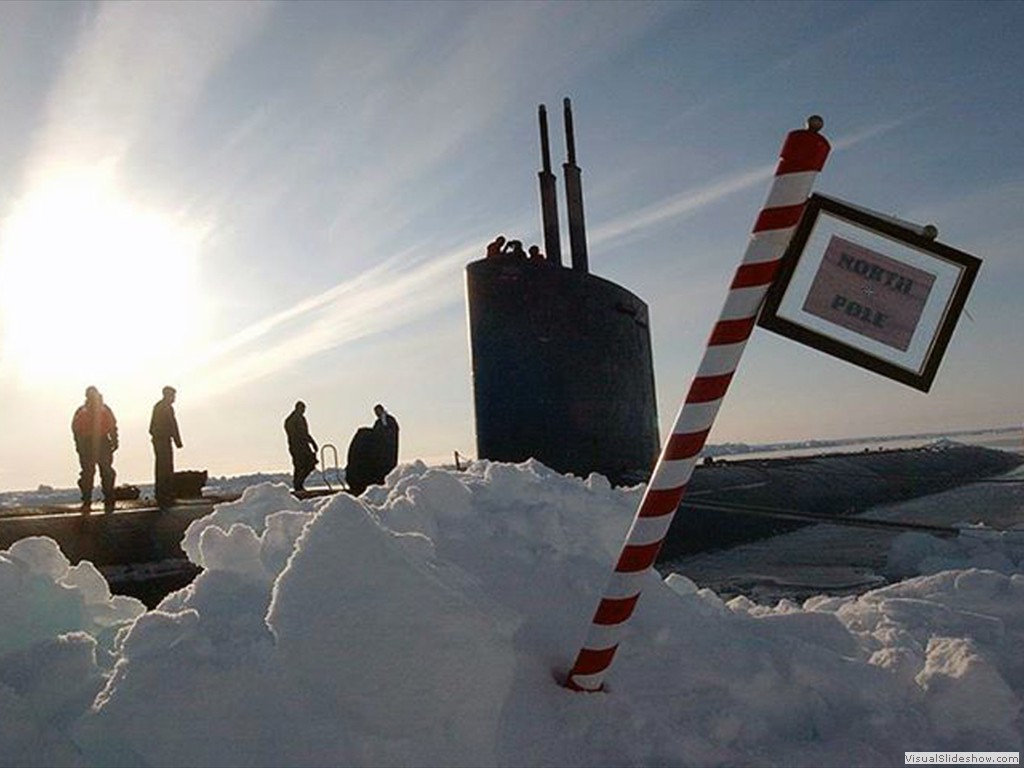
<point>95,430</point>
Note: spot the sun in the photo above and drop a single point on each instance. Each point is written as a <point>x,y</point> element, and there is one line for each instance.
<point>92,284</point>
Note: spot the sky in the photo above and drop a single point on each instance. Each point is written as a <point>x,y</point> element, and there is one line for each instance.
<point>258,203</point>
<point>429,621</point>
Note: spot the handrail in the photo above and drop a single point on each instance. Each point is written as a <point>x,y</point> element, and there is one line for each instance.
<point>323,464</point>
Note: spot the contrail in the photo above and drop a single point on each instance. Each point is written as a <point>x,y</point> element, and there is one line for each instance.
<point>690,201</point>
<point>378,300</point>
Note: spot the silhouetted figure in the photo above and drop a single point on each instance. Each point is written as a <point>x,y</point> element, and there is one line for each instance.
<point>514,248</point>
<point>372,453</point>
<point>386,428</point>
<point>361,463</point>
<point>301,446</point>
<point>535,254</point>
<point>163,428</point>
<point>495,247</point>
<point>95,430</point>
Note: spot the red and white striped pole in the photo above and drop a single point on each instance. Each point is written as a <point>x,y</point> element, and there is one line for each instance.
<point>802,157</point>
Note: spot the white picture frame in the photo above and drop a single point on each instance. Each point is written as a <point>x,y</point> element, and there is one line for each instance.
<point>870,290</point>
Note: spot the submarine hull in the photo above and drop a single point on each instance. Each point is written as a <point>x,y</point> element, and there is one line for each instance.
<point>738,501</point>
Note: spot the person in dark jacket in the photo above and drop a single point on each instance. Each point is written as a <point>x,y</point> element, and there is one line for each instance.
<point>163,428</point>
<point>301,446</point>
<point>362,460</point>
<point>95,431</point>
<point>372,453</point>
<point>386,428</point>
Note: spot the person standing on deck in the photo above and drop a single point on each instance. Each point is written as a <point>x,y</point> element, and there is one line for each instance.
<point>95,430</point>
<point>301,446</point>
<point>163,428</point>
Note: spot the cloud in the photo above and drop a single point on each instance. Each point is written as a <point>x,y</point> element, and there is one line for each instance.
<point>682,204</point>
<point>877,129</point>
<point>449,84</point>
<point>135,66</point>
<point>383,299</point>
<point>690,201</point>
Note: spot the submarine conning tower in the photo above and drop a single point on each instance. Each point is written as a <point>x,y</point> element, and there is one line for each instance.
<point>562,364</point>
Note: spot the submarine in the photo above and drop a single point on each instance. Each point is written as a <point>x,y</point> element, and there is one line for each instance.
<point>562,366</point>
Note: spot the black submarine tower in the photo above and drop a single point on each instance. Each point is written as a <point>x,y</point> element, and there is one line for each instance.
<point>561,358</point>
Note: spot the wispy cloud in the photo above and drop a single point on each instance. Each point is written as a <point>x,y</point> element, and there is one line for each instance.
<point>380,300</point>
<point>426,102</point>
<point>690,201</point>
<point>878,129</point>
<point>683,204</point>
<point>136,66</point>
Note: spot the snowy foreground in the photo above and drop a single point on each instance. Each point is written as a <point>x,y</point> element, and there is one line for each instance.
<point>425,625</point>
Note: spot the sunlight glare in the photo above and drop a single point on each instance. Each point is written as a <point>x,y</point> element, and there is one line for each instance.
<point>92,284</point>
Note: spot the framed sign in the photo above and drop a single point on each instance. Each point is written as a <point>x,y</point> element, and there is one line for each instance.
<point>869,290</point>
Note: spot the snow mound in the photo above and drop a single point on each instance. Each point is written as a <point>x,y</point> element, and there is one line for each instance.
<point>426,623</point>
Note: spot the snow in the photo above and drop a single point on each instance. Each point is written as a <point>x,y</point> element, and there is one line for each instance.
<point>426,623</point>
<point>977,546</point>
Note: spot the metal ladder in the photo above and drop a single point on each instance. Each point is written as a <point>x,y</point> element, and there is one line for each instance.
<point>323,466</point>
